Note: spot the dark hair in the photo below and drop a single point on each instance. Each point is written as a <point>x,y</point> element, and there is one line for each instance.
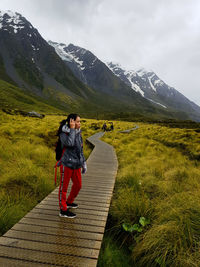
<point>67,121</point>
<point>71,116</point>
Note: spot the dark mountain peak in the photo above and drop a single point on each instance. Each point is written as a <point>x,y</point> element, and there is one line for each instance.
<point>73,47</point>
<point>151,87</point>
<point>114,65</point>
<point>79,57</point>
<point>54,43</point>
<point>76,50</point>
<point>8,14</point>
<point>13,22</point>
<point>31,62</point>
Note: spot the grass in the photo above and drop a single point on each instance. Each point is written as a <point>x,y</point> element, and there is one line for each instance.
<point>14,98</point>
<point>113,255</point>
<point>160,180</point>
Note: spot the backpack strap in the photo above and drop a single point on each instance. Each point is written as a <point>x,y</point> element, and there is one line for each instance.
<point>58,163</point>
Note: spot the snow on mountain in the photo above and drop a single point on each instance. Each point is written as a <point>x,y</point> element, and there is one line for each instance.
<point>136,78</point>
<point>15,23</point>
<point>156,102</point>
<point>11,20</point>
<point>59,48</point>
<point>127,75</point>
<point>151,87</point>
<point>69,55</point>
<point>88,68</point>
<point>13,16</point>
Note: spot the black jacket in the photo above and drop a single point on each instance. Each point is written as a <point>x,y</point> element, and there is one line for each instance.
<point>73,156</point>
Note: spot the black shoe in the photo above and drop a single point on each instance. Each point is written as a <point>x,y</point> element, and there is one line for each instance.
<point>72,205</point>
<point>67,213</point>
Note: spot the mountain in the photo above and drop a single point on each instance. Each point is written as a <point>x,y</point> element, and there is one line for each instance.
<point>94,73</point>
<point>28,61</point>
<point>97,75</point>
<point>69,78</point>
<point>151,87</point>
<point>146,84</point>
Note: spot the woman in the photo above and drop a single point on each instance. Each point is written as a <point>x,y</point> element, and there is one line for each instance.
<point>72,162</point>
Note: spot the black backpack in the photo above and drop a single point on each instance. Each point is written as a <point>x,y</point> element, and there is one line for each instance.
<point>58,150</point>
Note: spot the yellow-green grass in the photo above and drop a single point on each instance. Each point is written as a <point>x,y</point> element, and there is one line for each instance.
<point>162,184</point>
<point>15,99</point>
<point>27,161</point>
<point>187,140</point>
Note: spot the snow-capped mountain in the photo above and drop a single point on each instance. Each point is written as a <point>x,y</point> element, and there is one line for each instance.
<point>31,62</point>
<point>80,60</point>
<point>151,87</point>
<point>89,69</point>
<point>69,53</point>
<point>12,21</point>
<point>93,72</point>
<point>50,70</point>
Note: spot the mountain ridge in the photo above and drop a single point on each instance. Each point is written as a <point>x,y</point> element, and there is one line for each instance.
<point>144,82</point>
<point>157,90</point>
<point>75,78</point>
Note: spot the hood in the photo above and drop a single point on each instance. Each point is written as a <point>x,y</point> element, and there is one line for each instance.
<point>66,129</point>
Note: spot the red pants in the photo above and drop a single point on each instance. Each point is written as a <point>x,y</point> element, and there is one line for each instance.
<point>66,174</point>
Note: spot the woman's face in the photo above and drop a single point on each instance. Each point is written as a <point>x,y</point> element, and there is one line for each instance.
<point>78,123</point>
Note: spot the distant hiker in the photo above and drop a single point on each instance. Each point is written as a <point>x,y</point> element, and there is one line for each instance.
<point>104,127</point>
<point>111,126</point>
<point>72,161</point>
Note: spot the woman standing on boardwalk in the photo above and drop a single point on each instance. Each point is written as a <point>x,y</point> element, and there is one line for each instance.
<point>72,162</point>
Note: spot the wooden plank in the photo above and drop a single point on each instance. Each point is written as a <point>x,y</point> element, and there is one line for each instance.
<point>54,239</point>
<point>94,200</point>
<point>63,223</point>
<point>33,215</point>
<point>9,262</point>
<point>85,211</point>
<point>57,259</point>
<point>54,212</point>
<point>49,247</point>
<point>57,231</point>
<point>85,202</point>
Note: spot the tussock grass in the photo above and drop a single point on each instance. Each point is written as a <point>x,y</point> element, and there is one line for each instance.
<point>113,256</point>
<point>159,179</point>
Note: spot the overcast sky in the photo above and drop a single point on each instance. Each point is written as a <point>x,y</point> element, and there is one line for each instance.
<point>160,35</point>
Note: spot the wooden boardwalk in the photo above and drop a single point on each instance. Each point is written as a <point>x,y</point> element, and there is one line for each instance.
<point>129,130</point>
<point>42,238</point>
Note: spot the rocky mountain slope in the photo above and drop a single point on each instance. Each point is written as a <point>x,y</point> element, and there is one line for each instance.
<point>68,76</point>
<point>89,69</point>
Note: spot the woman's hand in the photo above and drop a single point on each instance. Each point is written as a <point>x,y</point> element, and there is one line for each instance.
<point>72,123</point>
<point>84,168</point>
